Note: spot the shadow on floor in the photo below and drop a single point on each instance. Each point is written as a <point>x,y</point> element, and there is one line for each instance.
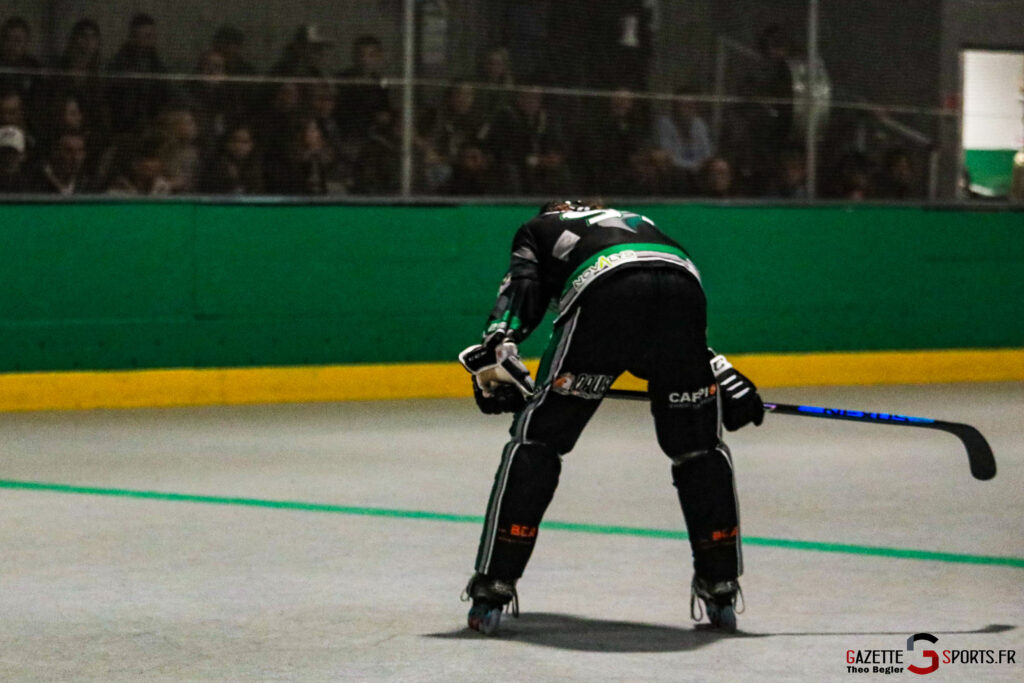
<point>568,632</point>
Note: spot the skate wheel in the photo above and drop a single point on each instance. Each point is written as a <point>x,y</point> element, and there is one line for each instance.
<point>485,619</point>
<point>722,617</point>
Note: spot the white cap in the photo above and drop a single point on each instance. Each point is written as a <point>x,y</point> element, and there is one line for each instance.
<point>11,136</point>
<point>310,35</point>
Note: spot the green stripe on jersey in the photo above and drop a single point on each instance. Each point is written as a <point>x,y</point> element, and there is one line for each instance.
<point>618,249</point>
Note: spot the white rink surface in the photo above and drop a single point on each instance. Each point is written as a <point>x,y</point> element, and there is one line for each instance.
<point>117,588</point>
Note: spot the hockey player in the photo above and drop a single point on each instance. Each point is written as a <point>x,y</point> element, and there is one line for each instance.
<point>627,298</point>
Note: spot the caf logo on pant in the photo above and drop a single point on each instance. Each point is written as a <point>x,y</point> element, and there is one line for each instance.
<point>693,398</point>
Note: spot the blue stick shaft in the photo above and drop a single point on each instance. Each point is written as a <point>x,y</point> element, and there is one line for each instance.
<point>979,453</point>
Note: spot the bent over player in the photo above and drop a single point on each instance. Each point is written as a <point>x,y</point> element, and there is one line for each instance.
<point>627,298</point>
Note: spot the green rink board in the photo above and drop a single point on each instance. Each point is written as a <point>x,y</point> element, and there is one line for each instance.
<point>193,284</point>
<point>991,169</point>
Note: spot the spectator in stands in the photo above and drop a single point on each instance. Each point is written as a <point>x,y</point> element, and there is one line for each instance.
<point>790,179</point>
<point>520,134</point>
<point>272,129</point>
<point>304,56</point>
<point>180,155</point>
<point>64,173</point>
<point>442,132</point>
<point>215,104</point>
<point>363,106</point>
<point>621,130</point>
<point>378,166</point>
<point>65,115</point>
<point>229,42</point>
<point>715,179</point>
<point>141,170</point>
<point>81,80</point>
<point>432,169</point>
<point>769,125</point>
<point>12,109</point>
<point>135,101</point>
<point>13,179</point>
<point>551,177</point>
<point>322,103</point>
<point>12,113</point>
<point>15,37</point>
<point>496,70</point>
<point>457,121</point>
<point>850,178</point>
<point>236,167</point>
<point>684,135</point>
<point>622,43</point>
<point>304,168</point>
<point>652,174</point>
<point>896,179</point>
<point>474,173</point>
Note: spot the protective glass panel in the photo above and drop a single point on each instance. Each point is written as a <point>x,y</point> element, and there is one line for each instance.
<point>783,100</point>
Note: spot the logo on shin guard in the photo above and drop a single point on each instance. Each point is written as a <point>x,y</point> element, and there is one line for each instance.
<point>582,385</point>
<point>693,399</point>
<point>517,534</point>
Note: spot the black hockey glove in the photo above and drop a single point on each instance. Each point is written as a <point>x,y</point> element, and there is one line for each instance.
<point>504,398</point>
<point>741,404</point>
<point>496,368</point>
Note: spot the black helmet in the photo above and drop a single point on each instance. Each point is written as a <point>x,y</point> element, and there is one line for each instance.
<point>564,205</point>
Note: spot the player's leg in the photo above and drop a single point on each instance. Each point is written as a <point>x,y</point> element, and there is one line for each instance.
<point>570,383</point>
<point>685,405</point>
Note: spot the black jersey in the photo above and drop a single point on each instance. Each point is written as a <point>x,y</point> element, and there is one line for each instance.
<point>557,255</point>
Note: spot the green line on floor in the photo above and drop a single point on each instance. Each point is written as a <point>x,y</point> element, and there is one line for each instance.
<point>814,546</point>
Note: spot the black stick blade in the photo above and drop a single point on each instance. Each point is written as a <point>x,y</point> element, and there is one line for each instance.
<point>979,453</point>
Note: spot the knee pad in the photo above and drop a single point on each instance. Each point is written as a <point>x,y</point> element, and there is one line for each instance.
<point>701,459</point>
<point>707,493</point>
<point>535,468</point>
<point>686,429</point>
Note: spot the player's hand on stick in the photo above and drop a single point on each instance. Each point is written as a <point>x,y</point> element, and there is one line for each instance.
<point>503,398</point>
<point>741,404</point>
<point>501,383</point>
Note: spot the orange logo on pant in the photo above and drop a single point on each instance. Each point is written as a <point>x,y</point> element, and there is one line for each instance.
<point>523,531</point>
<point>725,534</point>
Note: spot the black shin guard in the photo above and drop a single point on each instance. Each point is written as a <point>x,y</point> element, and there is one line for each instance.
<point>707,494</point>
<point>523,488</point>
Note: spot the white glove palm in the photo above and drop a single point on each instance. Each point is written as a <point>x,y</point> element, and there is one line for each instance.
<point>497,362</point>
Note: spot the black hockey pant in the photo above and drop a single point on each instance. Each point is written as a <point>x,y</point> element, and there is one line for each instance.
<point>650,322</point>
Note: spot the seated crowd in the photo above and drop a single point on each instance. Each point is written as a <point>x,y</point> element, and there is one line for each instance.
<point>107,128</point>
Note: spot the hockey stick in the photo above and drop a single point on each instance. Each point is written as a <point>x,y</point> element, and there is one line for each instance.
<point>979,453</point>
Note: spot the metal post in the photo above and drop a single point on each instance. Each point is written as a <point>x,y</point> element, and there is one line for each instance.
<point>409,73</point>
<point>812,102</point>
<point>721,55</point>
<point>933,175</point>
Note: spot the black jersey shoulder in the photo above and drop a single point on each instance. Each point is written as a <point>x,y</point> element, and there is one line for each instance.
<point>585,232</point>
